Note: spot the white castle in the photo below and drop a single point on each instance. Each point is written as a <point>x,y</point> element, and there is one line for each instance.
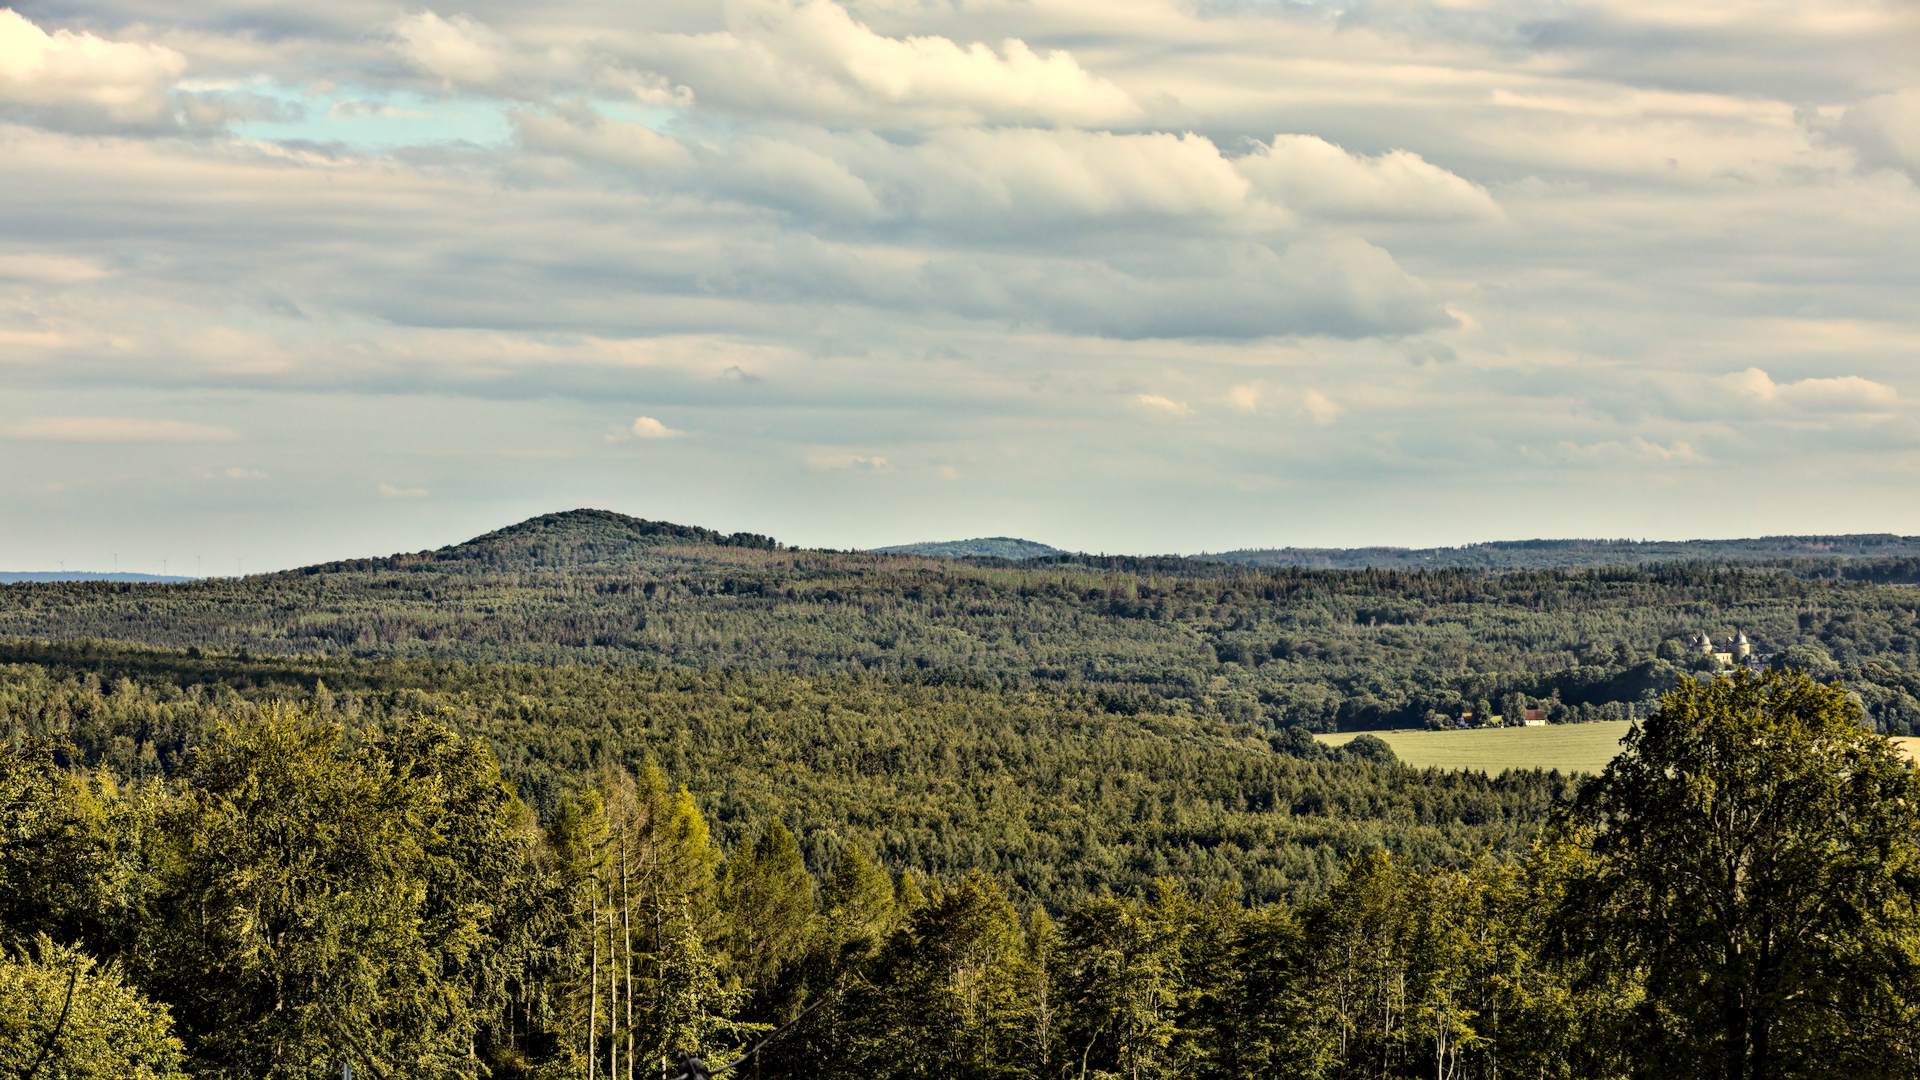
<point>1739,650</point>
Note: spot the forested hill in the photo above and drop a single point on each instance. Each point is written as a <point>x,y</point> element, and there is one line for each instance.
<point>1273,647</point>
<point>571,539</point>
<point>16,577</point>
<point>1573,554</point>
<point>984,547</point>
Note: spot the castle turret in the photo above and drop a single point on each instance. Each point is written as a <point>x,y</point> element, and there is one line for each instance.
<point>1742,648</point>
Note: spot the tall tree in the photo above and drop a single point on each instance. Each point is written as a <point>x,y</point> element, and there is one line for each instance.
<point>1754,859</point>
<point>950,996</point>
<point>769,902</point>
<point>1121,969</point>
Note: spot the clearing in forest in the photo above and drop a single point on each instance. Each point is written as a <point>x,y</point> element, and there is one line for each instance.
<point>1584,748</point>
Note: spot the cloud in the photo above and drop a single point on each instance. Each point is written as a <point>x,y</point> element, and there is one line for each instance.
<point>1313,176</point>
<point>1637,451</point>
<point>50,269</point>
<point>845,461</point>
<point>114,429</point>
<point>1161,405</point>
<point>395,491</point>
<point>1883,131</point>
<point>1845,393</point>
<point>646,427</point>
<point>352,110</point>
<point>69,78</point>
<point>548,63</point>
<point>1016,177</point>
<point>456,50</point>
<point>584,135</point>
<point>1031,181</point>
<point>1314,404</point>
<point>812,58</point>
<point>1334,286</point>
<point>1320,408</point>
<point>238,472</point>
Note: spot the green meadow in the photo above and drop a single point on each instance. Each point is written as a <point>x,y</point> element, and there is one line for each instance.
<point>1581,748</point>
<point>1568,747</point>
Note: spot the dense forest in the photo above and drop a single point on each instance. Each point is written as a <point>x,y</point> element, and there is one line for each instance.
<point>1057,797</point>
<point>299,897</point>
<point>590,792</point>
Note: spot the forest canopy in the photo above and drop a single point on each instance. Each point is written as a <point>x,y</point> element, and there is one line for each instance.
<point>300,894</point>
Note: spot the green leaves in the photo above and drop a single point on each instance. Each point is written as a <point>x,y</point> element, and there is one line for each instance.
<point>1755,865</point>
<point>321,902</point>
<point>66,1017</point>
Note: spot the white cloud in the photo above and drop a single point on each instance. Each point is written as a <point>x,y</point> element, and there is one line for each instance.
<point>987,176</point>
<point>1320,408</point>
<point>349,110</point>
<point>79,77</point>
<point>646,427</point>
<point>395,491</point>
<point>1245,397</point>
<point>1162,405</point>
<point>1313,176</point>
<point>584,135</point>
<point>1844,393</point>
<point>555,61</point>
<point>846,461</point>
<point>1018,181</point>
<point>814,58</point>
<point>1884,131</point>
<point>238,472</point>
<point>50,269</point>
<point>456,50</point>
<point>1635,451</point>
<point>114,429</point>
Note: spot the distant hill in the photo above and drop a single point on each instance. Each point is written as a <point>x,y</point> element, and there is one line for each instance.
<point>1570,554</point>
<point>984,547</point>
<point>570,539</point>
<point>14,577</point>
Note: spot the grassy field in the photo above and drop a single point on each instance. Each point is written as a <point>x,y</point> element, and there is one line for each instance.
<point>1567,747</point>
<point>1584,748</point>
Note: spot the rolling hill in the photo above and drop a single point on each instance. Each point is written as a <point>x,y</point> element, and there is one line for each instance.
<point>984,547</point>
<point>1572,554</point>
<point>21,577</point>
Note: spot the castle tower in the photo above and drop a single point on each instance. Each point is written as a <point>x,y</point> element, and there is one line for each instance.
<point>1742,648</point>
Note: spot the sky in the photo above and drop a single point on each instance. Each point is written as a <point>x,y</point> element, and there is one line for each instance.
<point>281,283</point>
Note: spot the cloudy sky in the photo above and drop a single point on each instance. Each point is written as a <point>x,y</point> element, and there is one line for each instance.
<point>285,282</point>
